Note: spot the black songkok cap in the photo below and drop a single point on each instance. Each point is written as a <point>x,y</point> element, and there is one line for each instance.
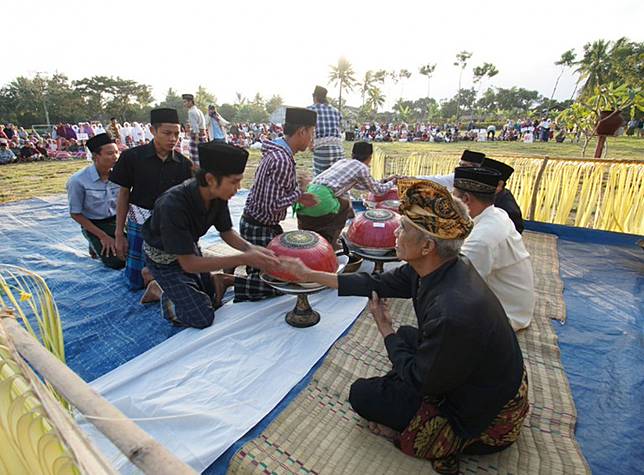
<point>95,143</point>
<point>362,149</point>
<point>222,159</point>
<point>188,97</point>
<point>320,92</point>
<point>300,116</point>
<point>505,170</point>
<point>164,116</point>
<point>476,179</point>
<point>473,157</point>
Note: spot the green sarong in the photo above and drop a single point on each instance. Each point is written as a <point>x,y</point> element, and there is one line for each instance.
<point>327,202</point>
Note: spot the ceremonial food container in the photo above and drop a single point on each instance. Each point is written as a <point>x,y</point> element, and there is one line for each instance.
<point>392,205</point>
<point>309,246</point>
<point>392,194</point>
<point>374,230</point>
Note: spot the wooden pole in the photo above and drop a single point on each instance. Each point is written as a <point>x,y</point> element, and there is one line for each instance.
<point>601,140</point>
<point>137,445</point>
<point>87,457</point>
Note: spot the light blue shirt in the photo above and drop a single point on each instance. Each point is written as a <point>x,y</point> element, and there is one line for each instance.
<point>283,143</point>
<point>90,196</point>
<point>215,130</point>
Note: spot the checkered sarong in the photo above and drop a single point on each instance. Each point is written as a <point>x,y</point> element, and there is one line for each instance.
<point>195,140</point>
<point>326,155</point>
<point>134,263</point>
<point>252,287</point>
<point>187,299</point>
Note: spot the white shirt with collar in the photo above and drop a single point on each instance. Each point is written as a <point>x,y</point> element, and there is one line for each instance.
<point>496,250</point>
<point>196,119</point>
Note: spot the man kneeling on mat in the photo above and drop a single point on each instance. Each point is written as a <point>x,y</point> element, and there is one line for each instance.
<point>189,292</point>
<point>330,214</point>
<point>92,200</point>
<point>457,384</point>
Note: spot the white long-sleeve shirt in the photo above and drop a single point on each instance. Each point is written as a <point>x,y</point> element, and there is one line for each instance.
<point>446,180</point>
<point>496,250</point>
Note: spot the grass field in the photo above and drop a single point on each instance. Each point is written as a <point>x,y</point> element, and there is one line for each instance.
<point>27,180</point>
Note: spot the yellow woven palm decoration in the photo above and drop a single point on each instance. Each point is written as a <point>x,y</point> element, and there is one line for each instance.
<point>585,193</point>
<point>30,443</point>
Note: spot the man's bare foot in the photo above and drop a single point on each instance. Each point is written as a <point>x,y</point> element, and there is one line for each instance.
<point>152,293</point>
<point>147,276</point>
<point>221,283</point>
<point>383,431</point>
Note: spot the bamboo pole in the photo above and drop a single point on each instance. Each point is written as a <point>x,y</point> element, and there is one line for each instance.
<point>138,446</point>
<point>87,457</point>
<point>535,190</point>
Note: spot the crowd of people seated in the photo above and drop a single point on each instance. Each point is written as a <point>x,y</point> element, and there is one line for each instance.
<point>526,130</point>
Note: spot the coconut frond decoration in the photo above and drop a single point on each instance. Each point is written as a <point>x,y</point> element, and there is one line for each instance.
<point>30,443</point>
<point>28,296</point>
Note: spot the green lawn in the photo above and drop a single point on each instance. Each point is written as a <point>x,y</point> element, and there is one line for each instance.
<point>26,180</point>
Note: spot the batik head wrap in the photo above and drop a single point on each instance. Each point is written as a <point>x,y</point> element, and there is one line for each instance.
<point>431,208</point>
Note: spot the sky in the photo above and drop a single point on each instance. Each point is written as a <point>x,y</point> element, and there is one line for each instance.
<point>287,47</point>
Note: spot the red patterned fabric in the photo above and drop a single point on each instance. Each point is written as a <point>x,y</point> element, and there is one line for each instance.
<point>430,436</point>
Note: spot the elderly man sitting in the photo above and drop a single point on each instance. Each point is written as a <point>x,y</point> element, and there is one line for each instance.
<point>494,247</point>
<point>457,384</point>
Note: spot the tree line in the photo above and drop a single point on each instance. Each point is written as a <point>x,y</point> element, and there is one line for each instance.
<point>602,65</point>
<point>53,99</point>
<point>609,74</point>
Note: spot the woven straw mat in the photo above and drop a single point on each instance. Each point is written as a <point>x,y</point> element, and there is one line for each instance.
<point>319,432</point>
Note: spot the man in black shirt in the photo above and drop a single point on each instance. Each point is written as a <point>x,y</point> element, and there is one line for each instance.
<point>144,173</point>
<point>189,292</point>
<point>457,383</point>
<point>504,198</point>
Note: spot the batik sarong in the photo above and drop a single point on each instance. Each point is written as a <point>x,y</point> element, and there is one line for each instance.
<point>430,435</point>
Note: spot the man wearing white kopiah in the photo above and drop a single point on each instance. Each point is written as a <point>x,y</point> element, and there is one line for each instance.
<point>494,247</point>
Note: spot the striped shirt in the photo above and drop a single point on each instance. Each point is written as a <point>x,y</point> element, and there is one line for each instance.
<point>328,122</point>
<point>275,187</point>
<point>349,173</point>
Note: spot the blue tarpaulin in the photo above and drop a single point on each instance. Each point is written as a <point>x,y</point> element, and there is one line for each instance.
<point>602,343</point>
<point>104,324</point>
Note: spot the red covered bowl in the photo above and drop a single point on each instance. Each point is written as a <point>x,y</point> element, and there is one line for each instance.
<point>374,229</point>
<point>392,194</point>
<point>392,205</point>
<point>313,249</point>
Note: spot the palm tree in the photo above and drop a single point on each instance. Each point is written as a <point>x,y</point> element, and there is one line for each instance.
<point>342,75</point>
<point>427,70</point>
<point>566,61</point>
<point>376,99</point>
<point>461,61</point>
<point>486,70</point>
<point>480,72</point>
<point>594,67</point>
<point>403,74</point>
<point>366,84</point>
<point>240,99</point>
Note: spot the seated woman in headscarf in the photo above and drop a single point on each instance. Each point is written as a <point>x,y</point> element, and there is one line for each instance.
<point>457,384</point>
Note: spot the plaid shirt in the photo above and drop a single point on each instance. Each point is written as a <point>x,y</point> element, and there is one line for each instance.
<point>275,187</point>
<point>329,118</point>
<point>349,173</point>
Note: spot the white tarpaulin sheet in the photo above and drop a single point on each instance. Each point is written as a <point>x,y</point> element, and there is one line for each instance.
<point>201,390</point>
